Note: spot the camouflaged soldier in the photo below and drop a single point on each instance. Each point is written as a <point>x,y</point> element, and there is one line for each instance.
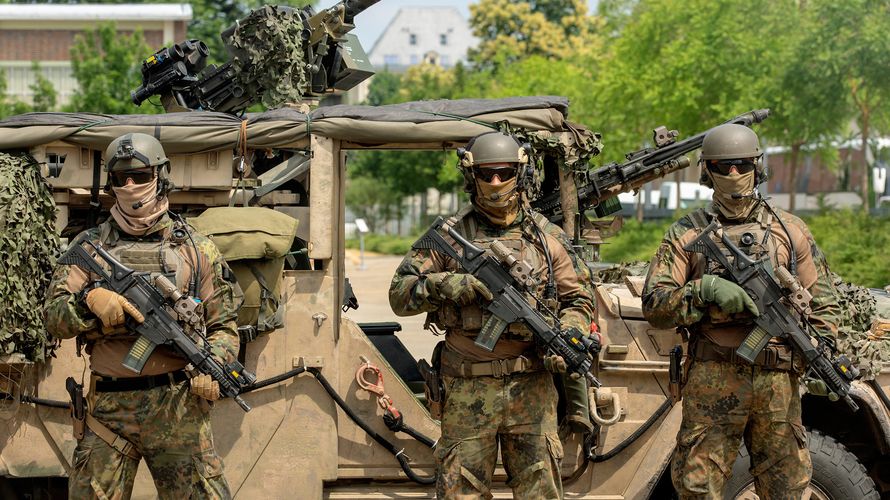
<point>162,414</point>
<point>506,396</point>
<point>726,399</point>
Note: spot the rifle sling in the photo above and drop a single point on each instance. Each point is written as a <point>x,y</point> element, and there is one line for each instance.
<point>120,444</point>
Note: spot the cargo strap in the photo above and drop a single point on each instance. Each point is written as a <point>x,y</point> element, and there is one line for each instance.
<point>455,365</point>
<point>120,444</point>
<point>772,357</point>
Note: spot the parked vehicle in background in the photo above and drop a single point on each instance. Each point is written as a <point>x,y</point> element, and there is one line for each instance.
<point>692,195</point>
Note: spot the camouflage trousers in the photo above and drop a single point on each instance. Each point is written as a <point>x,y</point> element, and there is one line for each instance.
<point>517,412</point>
<point>170,427</point>
<point>724,403</point>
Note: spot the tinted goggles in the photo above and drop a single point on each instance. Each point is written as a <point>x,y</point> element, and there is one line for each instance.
<point>487,174</point>
<point>724,167</point>
<point>139,176</point>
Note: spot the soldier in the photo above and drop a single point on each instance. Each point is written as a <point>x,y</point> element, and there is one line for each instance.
<point>726,399</point>
<point>505,396</point>
<point>161,414</point>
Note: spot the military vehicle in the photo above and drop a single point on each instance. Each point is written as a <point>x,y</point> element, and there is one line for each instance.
<point>316,429</point>
<point>323,424</point>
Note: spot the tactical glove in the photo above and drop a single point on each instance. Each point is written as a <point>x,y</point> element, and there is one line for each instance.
<point>110,307</point>
<point>728,296</point>
<point>461,288</point>
<point>205,387</point>
<point>554,363</point>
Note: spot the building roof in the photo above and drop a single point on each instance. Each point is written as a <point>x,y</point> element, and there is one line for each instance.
<point>84,12</point>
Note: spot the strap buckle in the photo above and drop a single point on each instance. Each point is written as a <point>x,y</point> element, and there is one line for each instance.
<point>499,368</point>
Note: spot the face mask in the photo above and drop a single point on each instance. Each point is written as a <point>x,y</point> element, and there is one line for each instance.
<point>727,185</point>
<point>499,203</point>
<point>138,207</point>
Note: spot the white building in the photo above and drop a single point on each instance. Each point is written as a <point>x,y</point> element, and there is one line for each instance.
<point>439,35</point>
<point>45,33</point>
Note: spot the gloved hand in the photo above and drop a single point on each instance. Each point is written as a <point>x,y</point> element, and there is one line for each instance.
<point>554,363</point>
<point>461,288</point>
<point>728,296</point>
<point>110,307</point>
<point>815,386</point>
<point>205,387</point>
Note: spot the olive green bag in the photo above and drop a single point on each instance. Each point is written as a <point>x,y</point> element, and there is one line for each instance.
<point>254,242</point>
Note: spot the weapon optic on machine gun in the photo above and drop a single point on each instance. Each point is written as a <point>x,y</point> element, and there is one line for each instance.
<point>508,305</point>
<point>599,189</point>
<point>159,326</point>
<point>776,319</point>
<point>332,59</point>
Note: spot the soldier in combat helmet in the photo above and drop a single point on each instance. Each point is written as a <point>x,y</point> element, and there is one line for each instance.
<point>505,397</point>
<point>726,399</point>
<point>161,414</point>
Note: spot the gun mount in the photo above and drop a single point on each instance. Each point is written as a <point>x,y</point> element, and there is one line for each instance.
<point>276,54</point>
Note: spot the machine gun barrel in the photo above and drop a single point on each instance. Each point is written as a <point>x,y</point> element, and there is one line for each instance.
<point>353,8</point>
<point>603,185</point>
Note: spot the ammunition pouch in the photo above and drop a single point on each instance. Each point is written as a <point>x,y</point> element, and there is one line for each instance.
<point>455,365</point>
<point>772,357</point>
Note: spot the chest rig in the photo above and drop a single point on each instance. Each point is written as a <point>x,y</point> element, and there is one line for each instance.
<point>524,244</point>
<point>754,238</point>
<point>159,253</point>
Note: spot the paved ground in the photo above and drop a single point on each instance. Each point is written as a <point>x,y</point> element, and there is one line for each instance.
<point>371,286</point>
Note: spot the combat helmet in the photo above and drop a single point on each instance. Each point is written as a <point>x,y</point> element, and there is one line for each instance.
<point>138,151</point>
<point>731,141</point>
<point>495,147</point>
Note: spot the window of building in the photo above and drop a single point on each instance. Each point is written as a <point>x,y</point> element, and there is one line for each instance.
<point>443,39</point>
<point>412,39</point>
<point>444,60</point>
<point>391,59</point>
<point>414,59</point>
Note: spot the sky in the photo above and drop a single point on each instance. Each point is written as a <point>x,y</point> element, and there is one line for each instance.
<point>371,23</point>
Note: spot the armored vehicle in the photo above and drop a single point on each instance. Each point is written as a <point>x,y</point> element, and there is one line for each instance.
<point>322,425</point>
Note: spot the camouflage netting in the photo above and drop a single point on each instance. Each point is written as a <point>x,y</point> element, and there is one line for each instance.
<point>267,49</point>
<point>617,273</point>
<point>863,336</point>
<point>576,146</point>
<point>28,245</point>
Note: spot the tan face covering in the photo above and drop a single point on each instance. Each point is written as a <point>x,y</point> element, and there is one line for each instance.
<point>500,203</point>
<point>137,221</point>
<point>727,185</point>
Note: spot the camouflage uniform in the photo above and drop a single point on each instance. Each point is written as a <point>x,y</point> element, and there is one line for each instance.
<point>724,398</point>
<point>516,410</point>
<point>167,425</point>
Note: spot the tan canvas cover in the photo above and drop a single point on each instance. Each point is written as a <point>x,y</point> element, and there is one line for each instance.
<point>439,121</point>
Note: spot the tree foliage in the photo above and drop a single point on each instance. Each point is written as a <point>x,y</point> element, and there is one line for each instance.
<point>104,63</point>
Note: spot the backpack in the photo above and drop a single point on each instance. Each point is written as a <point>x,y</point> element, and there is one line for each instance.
<point>255,242</point>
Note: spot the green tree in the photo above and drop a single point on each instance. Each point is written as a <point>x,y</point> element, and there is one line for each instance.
<point>105,65</point>
<point>44,94</point>
<point>857,47</point>
<point>510,30</point>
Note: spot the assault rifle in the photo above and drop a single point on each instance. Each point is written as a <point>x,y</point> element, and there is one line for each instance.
<point>159,327</point>
<point>599,189</point>
<point>509,304</point>
<point>776,319</point>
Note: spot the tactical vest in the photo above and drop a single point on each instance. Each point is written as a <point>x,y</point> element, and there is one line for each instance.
<point>156,254</point>
<point>524,244</point>
<point>756,240</point>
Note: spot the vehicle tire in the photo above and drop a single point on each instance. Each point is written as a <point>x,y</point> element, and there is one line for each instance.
<point>837,473</point>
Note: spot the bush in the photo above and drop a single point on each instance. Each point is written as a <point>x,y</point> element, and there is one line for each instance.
<point>389,245</point>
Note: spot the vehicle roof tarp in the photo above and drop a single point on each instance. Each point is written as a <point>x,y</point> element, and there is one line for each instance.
<point>418,122</point>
